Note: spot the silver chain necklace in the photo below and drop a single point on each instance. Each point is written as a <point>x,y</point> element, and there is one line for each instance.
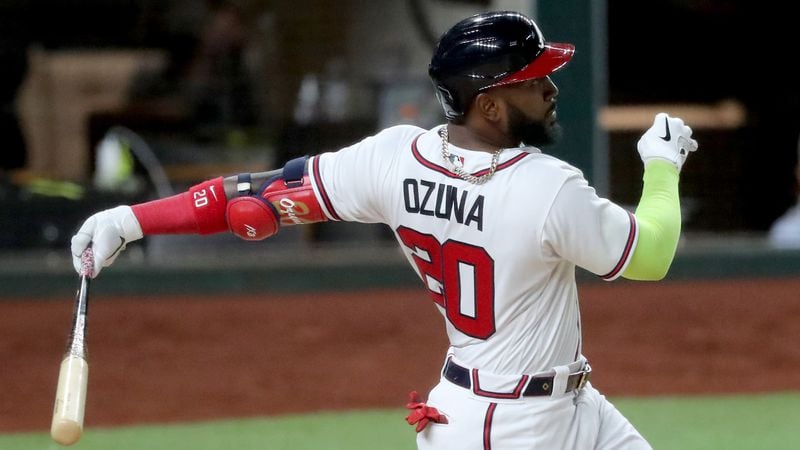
<point>459,171</point>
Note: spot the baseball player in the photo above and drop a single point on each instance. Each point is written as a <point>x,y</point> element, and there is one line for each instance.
<point>493,227</point>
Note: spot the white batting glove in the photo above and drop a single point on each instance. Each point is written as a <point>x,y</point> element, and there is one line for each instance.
<point>108,232</point>
<point>668,139</point>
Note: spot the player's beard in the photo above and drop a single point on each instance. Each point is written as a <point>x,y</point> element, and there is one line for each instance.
<point>531,132</point>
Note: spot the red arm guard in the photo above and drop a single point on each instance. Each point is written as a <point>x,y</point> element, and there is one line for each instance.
<point>296,203</point>
<point>287,199</point>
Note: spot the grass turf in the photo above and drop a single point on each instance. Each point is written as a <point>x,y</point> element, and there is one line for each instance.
<point>769,421</point>
<point>743,422</point>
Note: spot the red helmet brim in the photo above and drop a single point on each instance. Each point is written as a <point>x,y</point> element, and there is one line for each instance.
<point>554,57</point>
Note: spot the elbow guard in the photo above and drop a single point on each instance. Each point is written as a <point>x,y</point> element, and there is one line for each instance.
<point>285,199</point>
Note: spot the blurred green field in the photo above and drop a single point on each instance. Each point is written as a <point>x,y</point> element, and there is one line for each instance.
<point>767,421</point>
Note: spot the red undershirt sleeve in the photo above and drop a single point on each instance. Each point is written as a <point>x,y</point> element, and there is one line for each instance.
<point>200,210</point>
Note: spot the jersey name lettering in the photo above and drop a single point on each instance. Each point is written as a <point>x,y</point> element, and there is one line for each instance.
<point>446,203</point>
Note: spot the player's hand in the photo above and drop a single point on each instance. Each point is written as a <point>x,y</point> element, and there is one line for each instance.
<point>108,232</point>
<point>668,139</point>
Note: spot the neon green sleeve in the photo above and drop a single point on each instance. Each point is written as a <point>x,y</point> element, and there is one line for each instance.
<point>658,217</point>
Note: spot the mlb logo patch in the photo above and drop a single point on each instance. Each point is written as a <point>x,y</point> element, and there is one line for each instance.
<point>456,160</point>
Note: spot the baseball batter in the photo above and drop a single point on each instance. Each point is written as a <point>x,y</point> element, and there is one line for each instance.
<point>493,227</point>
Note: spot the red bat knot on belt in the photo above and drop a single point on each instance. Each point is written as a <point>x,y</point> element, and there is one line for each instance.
<point>422,414</point>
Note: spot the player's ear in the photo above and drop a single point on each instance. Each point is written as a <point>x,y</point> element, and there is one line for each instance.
<point>488,106</point>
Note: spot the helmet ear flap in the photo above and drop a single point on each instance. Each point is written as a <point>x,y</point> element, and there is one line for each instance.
<point>449,103</point>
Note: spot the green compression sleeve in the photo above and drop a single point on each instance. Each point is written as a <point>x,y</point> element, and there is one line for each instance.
<point>658,217</point>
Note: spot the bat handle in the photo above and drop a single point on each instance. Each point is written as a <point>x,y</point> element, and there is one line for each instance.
<point>87,262</point>
<point>76,344</point>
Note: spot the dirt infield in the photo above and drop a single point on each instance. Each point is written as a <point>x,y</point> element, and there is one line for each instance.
<point>189,358</point>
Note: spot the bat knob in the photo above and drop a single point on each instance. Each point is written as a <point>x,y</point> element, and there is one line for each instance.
<point>65,431</point>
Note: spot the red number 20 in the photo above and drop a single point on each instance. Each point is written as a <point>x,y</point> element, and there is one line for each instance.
<point>443,264</point>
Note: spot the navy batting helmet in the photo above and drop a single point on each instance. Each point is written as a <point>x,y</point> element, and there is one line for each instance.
<point>490,49</point>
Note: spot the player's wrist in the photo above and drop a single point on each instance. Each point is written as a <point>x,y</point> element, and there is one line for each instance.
<point>128,224</point>
<point>660,163</point>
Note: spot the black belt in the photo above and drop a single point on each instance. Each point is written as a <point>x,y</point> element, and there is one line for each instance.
<point>537,386</point>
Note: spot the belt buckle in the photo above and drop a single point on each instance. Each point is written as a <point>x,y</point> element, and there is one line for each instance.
<point>587,372</point>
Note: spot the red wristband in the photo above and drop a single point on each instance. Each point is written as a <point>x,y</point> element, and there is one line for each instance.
<point>201,210</point>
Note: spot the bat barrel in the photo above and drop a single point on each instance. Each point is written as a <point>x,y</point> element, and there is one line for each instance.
<point>67,425</point>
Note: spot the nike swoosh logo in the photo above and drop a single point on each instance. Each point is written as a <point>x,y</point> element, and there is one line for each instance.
<point>667,136</point>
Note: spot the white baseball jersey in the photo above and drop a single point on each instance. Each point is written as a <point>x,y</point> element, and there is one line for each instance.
<point>498,259</point>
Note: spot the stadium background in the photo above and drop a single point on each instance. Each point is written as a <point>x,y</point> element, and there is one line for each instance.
<point>328,318</point>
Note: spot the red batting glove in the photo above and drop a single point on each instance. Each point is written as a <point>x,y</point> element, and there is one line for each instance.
<point>421,414</point>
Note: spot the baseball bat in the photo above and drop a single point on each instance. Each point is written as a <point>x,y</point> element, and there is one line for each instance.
<point>73,376</point>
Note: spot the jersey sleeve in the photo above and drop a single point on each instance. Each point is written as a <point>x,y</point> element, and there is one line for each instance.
<point>353,184</point>
<point>589,231</point>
